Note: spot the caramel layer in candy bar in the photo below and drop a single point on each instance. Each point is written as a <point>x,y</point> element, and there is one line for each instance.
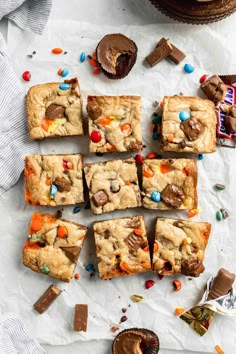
<point>222,284</point>
<point>48,297</point>
<point>80,318</point>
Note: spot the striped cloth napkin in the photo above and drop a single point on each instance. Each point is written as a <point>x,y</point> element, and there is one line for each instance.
<point>14,338</point>
<point>14,145</point>
<point>30,15</point>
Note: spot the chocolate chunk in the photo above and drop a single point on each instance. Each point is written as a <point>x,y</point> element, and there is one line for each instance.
<point>100,198</point>
<point>63,185</point>
<point>163,49</point>
<point>54,111</point>
<point>72,253</point>
<point>123,319</point>
<point>173,195</point>
<point>214,88</point>
<point>115,186</point>
<point>221,284</point>
<point>58,214</point>
<point>133,241</point>
<point>192,128</point>
<point>182,144</point>
<point>176,55</point>
<point>93,109</point>
<point>230,124</point>
<point>192,267</point>
<point>228,79</point>
<point>48,297</point>
<point>80,318</point>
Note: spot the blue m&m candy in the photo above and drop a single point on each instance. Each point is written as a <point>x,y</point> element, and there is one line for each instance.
<point>188,68</point>
<point>156,196</point>
<point>65,72</point>
<point>82,57</point>
<point>64,86</point>
<point>184,115</point>
<point>53,190</point>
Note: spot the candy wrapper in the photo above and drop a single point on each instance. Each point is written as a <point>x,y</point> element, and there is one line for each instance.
<point>200,316</point>
<point>224,138</point>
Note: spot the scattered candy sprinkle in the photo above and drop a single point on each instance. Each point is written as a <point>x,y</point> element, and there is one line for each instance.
<point>156,196</point>
<point>219,349</point>
<point>26,75</point>
<point>152,155</point>
<point>193,212</point>
<point>34,52</point>
<point>64,87</point>
<point>136,298</point>
<point>177,285</point>
<point>203,78</point>
<point>200,156</point>
<point>59,72</point>
<point>93,63</point>
<point>90,268</point>
<point>123,319</point>
<point>65,72</point>
<point>139,159</point>
<point>221,214</point>
<point>184,115</point>
<point>149,284</point>
<point>188,68</point>
<point>30,56</point>
<point>96,71</point>
<point>76,210</point>
<point>179,310</point>
<point>45,269</point>
<point>82,57</point>
<point>76,276</point>
<point>65,52</point>
<point>219,187</point>
<point>124,310</point>
<point>53,190</point>
<point>57,50</point>
<point>114,329</point>
<point>95,137</point>
<point>155,103</point>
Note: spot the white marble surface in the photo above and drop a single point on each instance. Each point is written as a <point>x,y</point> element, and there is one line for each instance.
<point>114,12</point>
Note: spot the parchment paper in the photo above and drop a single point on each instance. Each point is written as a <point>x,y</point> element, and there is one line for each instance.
<point>20,287</point>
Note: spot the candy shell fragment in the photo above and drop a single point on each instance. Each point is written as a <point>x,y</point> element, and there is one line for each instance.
<point>76,210</point>
<point>90,268</point>
<point>136,298</point>
<point>82,57</point>
<point>76,276</point>
<point>149,284</point>
<point>200,157</point>
<point>179,310</point>
<point>177,285</point>
<point>219,187</point>
<point>65,72</point>
<point>53,190</point>
<point>45,269</point>
<point>96,71</point>
<point>219,350</point>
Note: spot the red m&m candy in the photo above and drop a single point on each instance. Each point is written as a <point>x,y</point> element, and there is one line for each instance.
<point>95,137</point>
<point>202,78</point>
<point>26,75</point>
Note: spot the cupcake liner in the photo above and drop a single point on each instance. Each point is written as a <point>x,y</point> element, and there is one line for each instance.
<point>150,341</point>
<point>194,12</point>
<point>129,66</point>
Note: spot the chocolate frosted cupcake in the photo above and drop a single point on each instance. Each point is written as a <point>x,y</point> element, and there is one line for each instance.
<point>116,55</point>
<point>196,11</point>
<point>136,341</point>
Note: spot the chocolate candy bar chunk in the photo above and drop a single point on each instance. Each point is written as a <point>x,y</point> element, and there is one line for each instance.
<point>214,88</point>
<point>228,79</point>
<point>222,284</point>
<point>80,318</point>
<point>162,50</point>
<point>230,124</point>
<point>175,55</point>
<point>48,297</point>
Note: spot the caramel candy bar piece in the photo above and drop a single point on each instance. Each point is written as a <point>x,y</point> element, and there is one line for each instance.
<point>80,318</point>
<point>100,198</point>
<point>192,128</point>
<point>48,297</point>
<point>222,284</point>
<point>160,52</point>
<point>214,88</point>
<point>176,55</point>
<point>173,195</point>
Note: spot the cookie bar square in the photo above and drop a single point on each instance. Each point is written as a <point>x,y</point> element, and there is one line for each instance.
<point>188,125</point>
<point>53,246</point>
<point>170,184</point>
<point>55,110</point>
<point>180,246</point>
<point>114,123</point>
<point>113,185</point>
<point>53,179</point>
<point>121,246</point>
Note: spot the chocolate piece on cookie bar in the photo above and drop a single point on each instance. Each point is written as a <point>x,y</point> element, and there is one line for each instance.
<point>53,179</point>
<point>174,181</point>
<point>53,246</point>
<point>179,246</point>
<point>113,185</point>
<point>114,123</point>
<point>55,110</point>
<point>188,125</point>
<point>121,246</point>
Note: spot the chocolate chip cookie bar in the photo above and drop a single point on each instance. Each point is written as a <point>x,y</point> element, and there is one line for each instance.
<point>188,125</point>
<point>170,184</point>
<point>55,110</point>
<point>114,123</point>
<point>53,179</point>
<point>179,246</point>
<point>113,185</point>
<point>53,246</point>
<point>121,246</point>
